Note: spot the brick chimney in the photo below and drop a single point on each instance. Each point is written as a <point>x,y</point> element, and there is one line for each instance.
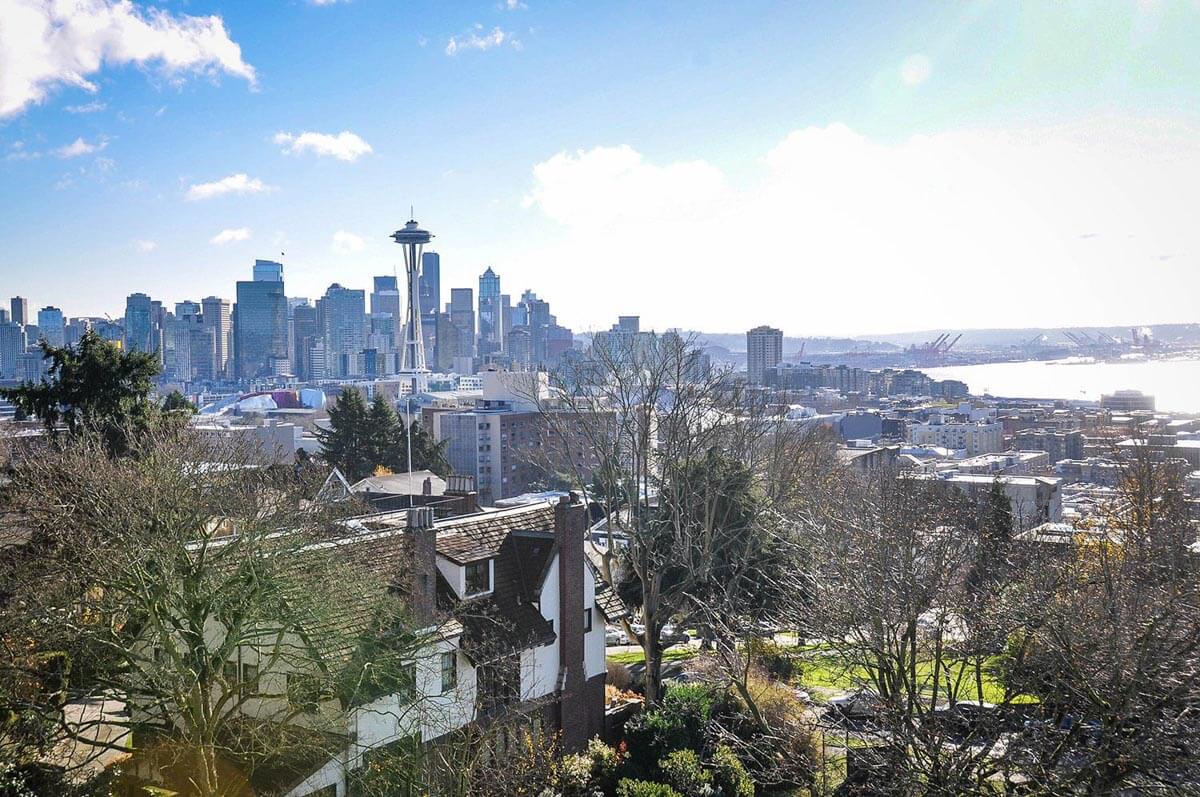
<point>424,565</point>
<point>570,526</point>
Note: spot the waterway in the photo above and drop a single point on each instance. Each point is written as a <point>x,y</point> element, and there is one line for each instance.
<point>1175,384</point>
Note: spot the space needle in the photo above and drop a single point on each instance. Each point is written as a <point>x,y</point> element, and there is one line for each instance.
<point>412,356</point>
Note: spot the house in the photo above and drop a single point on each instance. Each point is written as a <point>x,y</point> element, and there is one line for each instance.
<point>516,618</point>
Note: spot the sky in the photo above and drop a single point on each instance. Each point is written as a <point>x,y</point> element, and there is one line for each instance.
<point>826,168</point>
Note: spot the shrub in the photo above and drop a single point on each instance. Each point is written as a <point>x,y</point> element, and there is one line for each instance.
<point>593,771</point>
<point>680,723</point>
<point>682,770</point>
<point>618,676</point>
<point>779,662</point>
<point>644,788</point>
<point>729,776</point>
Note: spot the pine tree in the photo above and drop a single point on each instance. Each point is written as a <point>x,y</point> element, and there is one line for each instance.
<point>385,436</point>
<point>346,443</point>
<point>92,386</point>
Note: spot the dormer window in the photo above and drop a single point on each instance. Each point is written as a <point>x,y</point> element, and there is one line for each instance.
<point>478,577</point>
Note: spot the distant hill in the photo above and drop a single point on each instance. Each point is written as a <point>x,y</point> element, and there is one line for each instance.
<point>991,338</point>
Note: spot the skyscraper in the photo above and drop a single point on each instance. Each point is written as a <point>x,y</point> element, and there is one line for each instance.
<point>764,349</point>
<point>52,326</point>
<point>412,353</point>
<point>260,329</point>
<point>386,299</point>
<point>12,346</point>
<point>193,344</point>
<point>490,325</point>
<point>343,315</point>
<point>431,283</point>
<point>462,317</point>
<point>215,313</point>
<point>305,330</point>
<point>268,271</point>
<point>139,323</point>
<point>20,310</point>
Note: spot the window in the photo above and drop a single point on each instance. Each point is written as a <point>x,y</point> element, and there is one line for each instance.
<point>479,577</point>
<point>449,671</point>
<point>249,683</point>
<point>587,620</point>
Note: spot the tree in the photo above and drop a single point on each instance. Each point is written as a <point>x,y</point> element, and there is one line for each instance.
<point>203,600</point>
<point>888,559</point>
<point>1115,650</point>
<point>345,444</point>
<point>362,439</point>
<point>92,386</point>
<point>176,402</point>
<point>683,466</point>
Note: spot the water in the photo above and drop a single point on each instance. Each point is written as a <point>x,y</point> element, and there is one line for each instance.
<point>1174,383</point>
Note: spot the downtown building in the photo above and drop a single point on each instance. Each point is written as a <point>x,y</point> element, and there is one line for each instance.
<point>260,325</point>
<point>764,350</point>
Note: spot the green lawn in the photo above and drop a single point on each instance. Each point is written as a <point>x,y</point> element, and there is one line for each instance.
<point>637,657</point>
<point>826,670</point>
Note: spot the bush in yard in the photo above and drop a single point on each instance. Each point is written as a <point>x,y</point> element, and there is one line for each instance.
<point>593,771</point>
<point>680,723</point>
<point>729,776</point>
<point>780,663</point>
<point>644,788</point>
<point>683,772</point>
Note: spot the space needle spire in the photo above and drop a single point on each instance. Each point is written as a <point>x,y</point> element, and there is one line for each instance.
<point>412,355</point>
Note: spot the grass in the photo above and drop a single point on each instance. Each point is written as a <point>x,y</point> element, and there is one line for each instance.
<point>638,657</point>
<point>822,668</point>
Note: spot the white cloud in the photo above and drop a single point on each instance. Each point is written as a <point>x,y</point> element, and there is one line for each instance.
<point>80,147</point>
<point>229,236</point>
<point>916,69</point>
<point>512,5</point>
<point>45,44</point>
<point>347,243</point>
<point>345,146</point>
<point>479,39</point>
<point>831,232</point>
<point>233,184</point>
<point>145,246</point>
<point>90,107</point>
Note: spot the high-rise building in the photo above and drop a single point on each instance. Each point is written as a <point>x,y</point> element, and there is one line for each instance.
<point>5,316</point>
<point>52,326</point>
<point>343,315</point>
<point>431,283</point>
<point>216,315</point>
<point>462,317</point>
<point>139,324</point>
<point>193,344</point>
<point>764,349</point>
<point>260,328</point>
<point>305,330</point>
<point>20,310</point>
<point>412,352</point>
<point>490,325</point>
<point>12,345</point>
<point>75,329</point>
<point>268,271</point>
<point>386,299</point>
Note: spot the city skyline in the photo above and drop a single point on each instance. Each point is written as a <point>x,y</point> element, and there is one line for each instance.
<point>951,159</point>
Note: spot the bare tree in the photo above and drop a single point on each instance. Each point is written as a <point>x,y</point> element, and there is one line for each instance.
<point>681,463</point>
<point>890,569</point>
<point>193,586</point>
<point>1115,654</point>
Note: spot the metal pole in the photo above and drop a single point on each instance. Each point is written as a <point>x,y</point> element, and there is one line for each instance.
<point>408,430</point>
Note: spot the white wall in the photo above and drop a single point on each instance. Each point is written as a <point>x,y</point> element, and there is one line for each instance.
<point>539,666</point>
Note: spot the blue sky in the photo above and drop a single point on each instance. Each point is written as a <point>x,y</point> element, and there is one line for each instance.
<point>826,168</point>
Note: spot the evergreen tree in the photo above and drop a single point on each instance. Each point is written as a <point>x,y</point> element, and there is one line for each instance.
<point>385,436</point>
<point>345,443</point>
<point>177,402</point>
<point>92,386</point>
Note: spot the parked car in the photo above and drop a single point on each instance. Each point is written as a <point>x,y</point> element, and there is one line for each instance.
<point>615,635</point>
<point>857,708</point>
<point>674,635</point>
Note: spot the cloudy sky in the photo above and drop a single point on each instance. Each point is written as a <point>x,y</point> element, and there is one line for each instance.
<point>826,168</point>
